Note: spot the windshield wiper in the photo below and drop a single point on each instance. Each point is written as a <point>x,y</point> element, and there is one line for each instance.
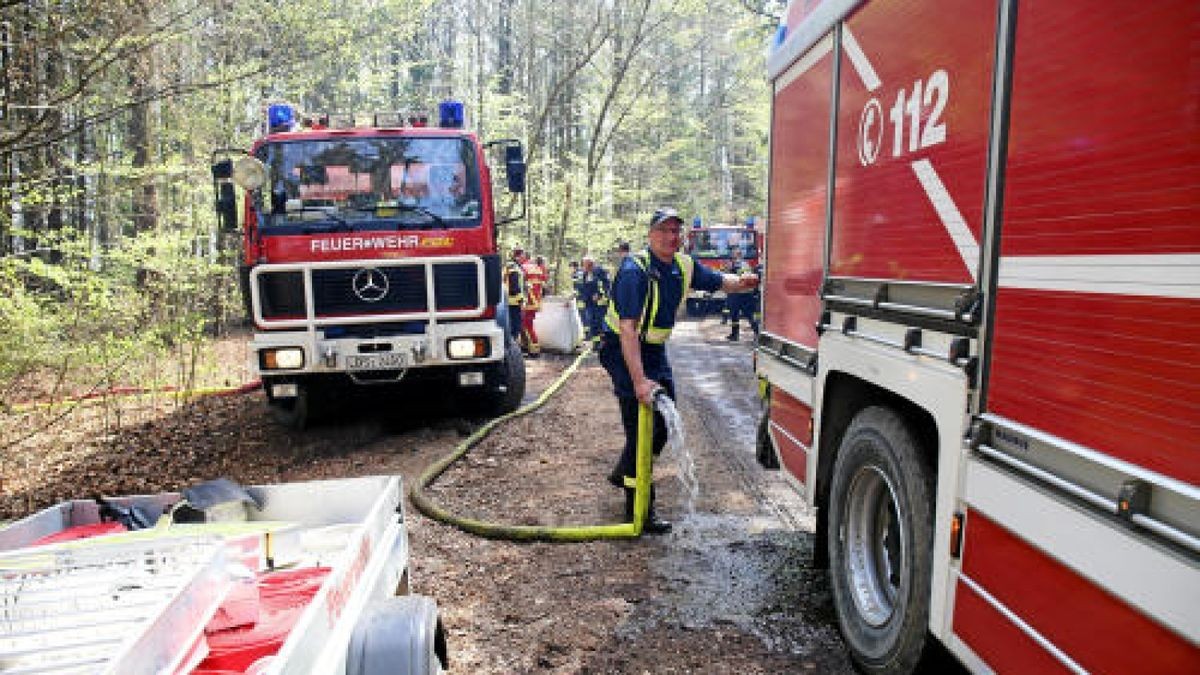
<point>341,222</point>
<point>404,207</point>
<point>421,209</point>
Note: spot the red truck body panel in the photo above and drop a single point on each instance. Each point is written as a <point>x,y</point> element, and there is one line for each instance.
<point>1095,628</point>
<point>1113,170</point>
<point>895,169</point>
<point>798,201</point>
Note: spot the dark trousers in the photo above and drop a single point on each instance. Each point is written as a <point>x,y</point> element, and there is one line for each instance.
<point>593,319</point>
<point>657,368</point>
<point>627,464</point>
<point>514,322</point>
<point>742,305</point>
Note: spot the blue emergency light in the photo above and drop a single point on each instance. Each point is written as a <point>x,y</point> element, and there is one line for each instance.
<point>450,114</point>
<point>696,222</point>
<point>281,117</point>
<point>750,222</point>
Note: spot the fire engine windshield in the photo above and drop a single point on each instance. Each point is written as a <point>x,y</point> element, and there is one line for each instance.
<point>720,243</point>
<point>370,183</point>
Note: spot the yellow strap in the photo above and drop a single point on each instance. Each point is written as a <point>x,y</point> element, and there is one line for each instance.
<point>648,332</point>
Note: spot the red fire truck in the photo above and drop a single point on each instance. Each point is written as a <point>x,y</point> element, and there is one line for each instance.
<point>982,309</point>
<point>371,257</point>
<point>713,246</point>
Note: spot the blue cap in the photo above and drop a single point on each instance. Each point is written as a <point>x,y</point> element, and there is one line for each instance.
<point>281,115</point>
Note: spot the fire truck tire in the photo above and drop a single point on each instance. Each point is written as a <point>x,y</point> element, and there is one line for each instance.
<point>506,396</point>
<point>880,542</point>
<point>293,413</point>
<point>401,636</point>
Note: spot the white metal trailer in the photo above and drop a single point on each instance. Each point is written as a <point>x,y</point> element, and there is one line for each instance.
<point>140,602</point>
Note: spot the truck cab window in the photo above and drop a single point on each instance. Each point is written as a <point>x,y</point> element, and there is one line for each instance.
<point>372,183</point>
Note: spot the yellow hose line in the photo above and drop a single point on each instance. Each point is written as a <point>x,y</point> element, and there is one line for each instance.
<point>563,533</point>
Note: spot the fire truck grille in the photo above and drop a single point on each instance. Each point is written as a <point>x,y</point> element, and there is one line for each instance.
<point>456,286</point>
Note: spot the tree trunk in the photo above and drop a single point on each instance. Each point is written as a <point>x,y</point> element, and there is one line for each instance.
<point>141,134</point>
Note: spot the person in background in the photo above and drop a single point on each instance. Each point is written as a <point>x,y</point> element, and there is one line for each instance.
<point>622,252</point>
<point>535,283</point>
<point>646,294</point>
<point>514,285</point>
<point>593,289</point>
<point>577,291</point>
<point>742,303</point>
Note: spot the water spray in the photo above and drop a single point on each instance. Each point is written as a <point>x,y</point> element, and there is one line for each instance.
<point>677,444</point>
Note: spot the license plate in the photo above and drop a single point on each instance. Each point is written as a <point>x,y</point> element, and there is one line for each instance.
<point>387,361</point>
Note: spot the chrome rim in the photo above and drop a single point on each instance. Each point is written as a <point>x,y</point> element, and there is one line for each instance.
<point>874,544</point>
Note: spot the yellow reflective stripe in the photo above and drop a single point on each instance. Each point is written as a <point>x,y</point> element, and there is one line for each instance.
<point>657,336</point>
<point>687,266</point>
<point>650,309</point>
<point>648,332</point>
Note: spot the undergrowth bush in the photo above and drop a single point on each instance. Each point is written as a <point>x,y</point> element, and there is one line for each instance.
<point>137,314</point>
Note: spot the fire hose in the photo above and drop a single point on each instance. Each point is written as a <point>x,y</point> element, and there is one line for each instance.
<point>561,533</point>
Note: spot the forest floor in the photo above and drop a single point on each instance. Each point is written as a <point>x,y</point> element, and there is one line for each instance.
<point>730,590</point>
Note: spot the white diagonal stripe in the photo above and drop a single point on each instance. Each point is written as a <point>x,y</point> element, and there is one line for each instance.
<point>804,63</point>
<point>862,65</point>
<point>964,240</point>
<point>1167,275</point>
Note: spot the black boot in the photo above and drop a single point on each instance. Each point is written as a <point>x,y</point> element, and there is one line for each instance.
<point>653,524</point>
<point>733,332</point>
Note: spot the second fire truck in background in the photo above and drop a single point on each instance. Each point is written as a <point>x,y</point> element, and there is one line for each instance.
<point>370,257</point>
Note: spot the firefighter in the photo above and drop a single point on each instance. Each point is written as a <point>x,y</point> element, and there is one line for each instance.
<point>646,295</point>
<point>514,284</point>
<point>535,283</point>
<point>593,289</point>
<point>741,303</point>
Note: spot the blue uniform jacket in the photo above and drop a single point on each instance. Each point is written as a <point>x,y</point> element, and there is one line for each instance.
<point>629,290</point>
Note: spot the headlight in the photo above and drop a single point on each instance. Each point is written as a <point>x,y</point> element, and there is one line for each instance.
<point>284,358</point>
<point>467,348</point>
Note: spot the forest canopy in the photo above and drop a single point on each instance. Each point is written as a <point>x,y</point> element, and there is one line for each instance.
<point>112,109</point>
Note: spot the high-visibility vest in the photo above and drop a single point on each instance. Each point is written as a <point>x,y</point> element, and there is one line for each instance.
<point>516,296</point>
<point>535,280</point>
<point>647,331</point>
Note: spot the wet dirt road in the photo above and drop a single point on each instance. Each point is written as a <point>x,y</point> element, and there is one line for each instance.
<point>742,558</point>
<point>730,590</point>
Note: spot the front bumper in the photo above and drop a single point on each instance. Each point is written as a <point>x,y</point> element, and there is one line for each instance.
<point>355,356</point>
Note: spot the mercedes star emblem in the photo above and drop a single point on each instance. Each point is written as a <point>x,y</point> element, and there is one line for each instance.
<point>370,285</point>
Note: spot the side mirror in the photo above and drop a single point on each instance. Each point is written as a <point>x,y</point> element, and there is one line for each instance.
<point>514,166</point>
<point>227,206</point>
<point>247,173</point>
<point>226,199</point>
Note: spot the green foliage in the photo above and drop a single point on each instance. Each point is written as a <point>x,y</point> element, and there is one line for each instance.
<point>96,320</point>
<point>623,105</point>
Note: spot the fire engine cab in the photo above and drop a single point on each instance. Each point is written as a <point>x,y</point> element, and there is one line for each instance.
<point>982,310</point>
<point>370,256</point>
